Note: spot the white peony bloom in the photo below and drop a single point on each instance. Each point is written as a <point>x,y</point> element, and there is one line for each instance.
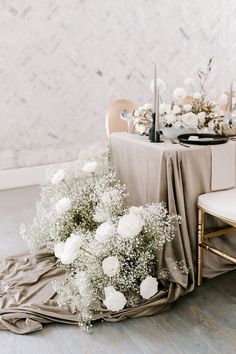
<point>164,108</point>
<point>62,206</point>
<point>197,96</point>
<point>104,232</point>
<point>130,225</point>
<point>147,107</point>
<point>160,84</point>
<point>223,99</point>
<point>90,167</point>
<point>176,109</point>
<point>58,177</point>
<point>187,107</point>
<point>111,266</point>
<point>170,118</point>
<point>201,117</point>
<point>115,300</point>
<point>179,93</point>
<point>68,251</point>
<point>148,287</point>
<point>190,120</point>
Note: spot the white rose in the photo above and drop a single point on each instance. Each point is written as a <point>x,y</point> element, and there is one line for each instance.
<point>179,93</point>
<point>130,226</point>
<point>170,119</point>
<point>187,107</point>
<point>115,300</point>
<point>90,167</point>
<point>197,96</point>
<point>62,206</point>
<point>160,84</point>
<point>104,232</point>
<point>68,251</point>
<point>201,117</point>
<point>147,107</point>
<point>176,109</point>
<point>148,287</point>
<point>58,177</point>
<point>111,266</point>
<point>190,120</point>
<point>223,99</point>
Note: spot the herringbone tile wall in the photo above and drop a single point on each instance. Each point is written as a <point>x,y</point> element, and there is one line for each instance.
<point>63,61</point>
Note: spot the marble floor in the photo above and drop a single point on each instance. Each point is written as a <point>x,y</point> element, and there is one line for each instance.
<point>200,323</point>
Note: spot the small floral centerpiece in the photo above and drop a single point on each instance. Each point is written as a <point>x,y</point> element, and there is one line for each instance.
<point>107,250</point>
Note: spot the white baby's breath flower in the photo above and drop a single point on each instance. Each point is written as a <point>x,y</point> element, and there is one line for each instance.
<point>179,93</point>
<point>187,107</point>
<point>58,176</point>
<point>83,283</point>
<point>148,287</point>
<point>197,96</point>
<point>223,99</point>
<point>104,232</point>
<point>115,300</point>
<point>147,107</point>
<point>68,251</point>
<point>190,120</point>
<point>130,225</point>
<point>90,167</point>
<point>160,84</point>
<point>201,117</point>
<point>111,266</point>
<point>164,108</point>
<point>62,206</point>
<point>176,109</point>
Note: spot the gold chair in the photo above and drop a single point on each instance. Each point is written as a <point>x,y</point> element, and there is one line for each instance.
<point>221,204</point>
<point>113,121</point>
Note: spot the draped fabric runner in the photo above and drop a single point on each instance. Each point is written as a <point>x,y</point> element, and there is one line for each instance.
<point>27,299</point>
<point>223,166</point>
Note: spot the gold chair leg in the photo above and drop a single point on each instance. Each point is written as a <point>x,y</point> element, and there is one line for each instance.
<point>201,227</point>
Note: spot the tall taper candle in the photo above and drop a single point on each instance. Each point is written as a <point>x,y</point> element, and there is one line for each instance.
<point>157,125</point>
<point>230,104</point>
<point>155,90</point>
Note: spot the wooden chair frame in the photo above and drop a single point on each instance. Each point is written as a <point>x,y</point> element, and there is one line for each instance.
<point>203,245</point>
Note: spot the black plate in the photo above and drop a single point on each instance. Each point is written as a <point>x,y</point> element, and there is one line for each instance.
<point>217,139</point>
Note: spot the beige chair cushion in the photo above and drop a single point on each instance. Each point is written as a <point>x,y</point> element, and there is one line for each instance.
<point>221,204</point>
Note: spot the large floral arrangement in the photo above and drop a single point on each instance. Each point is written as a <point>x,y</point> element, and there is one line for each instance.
<point>108,250</point>
<point>189,109</point>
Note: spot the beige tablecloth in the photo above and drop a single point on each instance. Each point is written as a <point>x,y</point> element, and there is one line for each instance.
<point>177,175</point>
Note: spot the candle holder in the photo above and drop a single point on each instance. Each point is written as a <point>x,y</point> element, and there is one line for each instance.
<point>154,136</point>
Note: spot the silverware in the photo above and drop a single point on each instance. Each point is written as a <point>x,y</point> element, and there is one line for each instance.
<point>178,142</point>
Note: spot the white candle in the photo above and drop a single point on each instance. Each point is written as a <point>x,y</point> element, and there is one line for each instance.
<point>157,128</point>
<point>155,89</point>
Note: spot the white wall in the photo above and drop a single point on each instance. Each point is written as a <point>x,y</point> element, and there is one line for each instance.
<point>63,61</point>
